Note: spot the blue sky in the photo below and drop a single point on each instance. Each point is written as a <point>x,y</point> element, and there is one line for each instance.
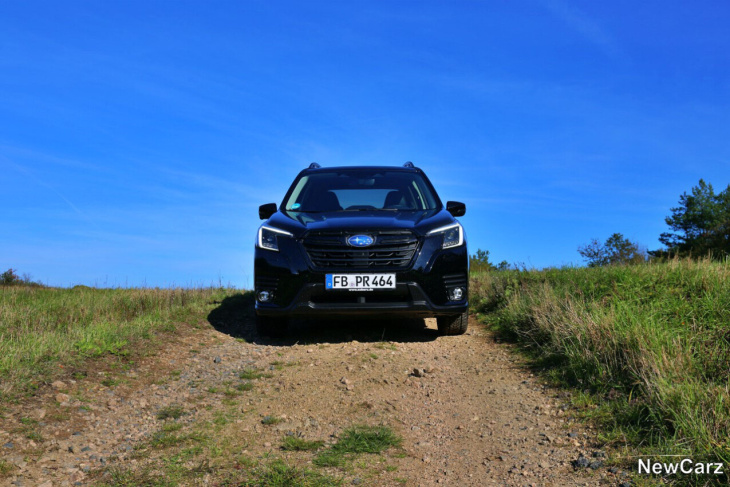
<point>137,138</point>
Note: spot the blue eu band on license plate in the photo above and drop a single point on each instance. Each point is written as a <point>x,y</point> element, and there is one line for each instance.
<point>360,281</point>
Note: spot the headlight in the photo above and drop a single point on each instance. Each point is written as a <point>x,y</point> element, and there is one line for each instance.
<point>268,238</point>
<point>453,235</point>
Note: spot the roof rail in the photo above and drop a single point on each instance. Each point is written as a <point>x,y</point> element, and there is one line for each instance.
<point>409,164</point>
<point>314,165</point>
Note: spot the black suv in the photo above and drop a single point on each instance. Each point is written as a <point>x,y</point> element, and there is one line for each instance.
<point>361,241</point>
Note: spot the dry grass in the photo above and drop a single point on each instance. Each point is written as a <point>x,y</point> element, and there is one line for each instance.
<point>44,330</point>
<point>654,338</point>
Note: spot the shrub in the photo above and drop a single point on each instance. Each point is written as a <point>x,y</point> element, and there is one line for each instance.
<point>9,277</point>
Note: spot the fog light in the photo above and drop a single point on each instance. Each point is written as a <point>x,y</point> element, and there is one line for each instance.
<point>456,294</point>
<point>265,296</point>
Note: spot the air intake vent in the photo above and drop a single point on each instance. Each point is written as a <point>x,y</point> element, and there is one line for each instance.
<point>454,280</point>
<point>266,282</point>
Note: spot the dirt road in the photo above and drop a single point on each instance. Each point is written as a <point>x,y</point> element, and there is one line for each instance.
<point>214,406</point>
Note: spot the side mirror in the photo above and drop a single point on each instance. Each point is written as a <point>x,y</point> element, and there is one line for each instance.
<point>456,208</point>
<point>265,211</point>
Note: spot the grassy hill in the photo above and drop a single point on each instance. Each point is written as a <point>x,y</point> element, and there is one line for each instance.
<point>648,346</point>
<point>46,331</point>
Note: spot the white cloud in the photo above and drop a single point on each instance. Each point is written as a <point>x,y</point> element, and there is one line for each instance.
<point>587,27</point>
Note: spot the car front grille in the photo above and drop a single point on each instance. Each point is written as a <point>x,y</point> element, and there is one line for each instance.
<point>391,250</point>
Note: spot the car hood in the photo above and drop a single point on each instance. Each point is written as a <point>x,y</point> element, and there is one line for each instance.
<point>420,222</point>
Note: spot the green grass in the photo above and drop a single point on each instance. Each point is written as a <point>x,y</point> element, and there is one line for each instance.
<point>174,462</point>
<point>253,374</point>
<point>173,411</point>
<point>244,386</point>
<point>650,343</point>
<point>293,443</point>
<point>44,331</point>
<point>178,470</point>
<point>165,439</point>
<point>331,458</point>
<point>228,392</point>
<point>222,418</point>
<point>366,439</point>
<point>5,468</point>
<point>119,477</point>
<point>270,420</point>
<point>356,440</point>
<point>171,427</point>
<point>34,435</point>
<point>280,474</point>
<point>29,429</point>
<point>110,382</point>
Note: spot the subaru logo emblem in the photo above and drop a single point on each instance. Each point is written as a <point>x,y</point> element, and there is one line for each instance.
<point>360,241</point>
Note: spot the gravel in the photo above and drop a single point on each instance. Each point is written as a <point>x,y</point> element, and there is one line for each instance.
<point>468,411</point>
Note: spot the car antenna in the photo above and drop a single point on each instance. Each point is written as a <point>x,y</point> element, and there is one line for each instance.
<point>409,164</point>
<point>314,165</point>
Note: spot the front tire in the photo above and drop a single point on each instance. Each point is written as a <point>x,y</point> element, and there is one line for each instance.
<point>453,325</point>
<point>271,326</point>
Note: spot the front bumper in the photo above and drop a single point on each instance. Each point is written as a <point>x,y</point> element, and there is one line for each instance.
<point>408,299</point>
<point>422,289</point>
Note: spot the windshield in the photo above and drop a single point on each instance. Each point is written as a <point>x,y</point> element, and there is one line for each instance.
<point>361,190</point>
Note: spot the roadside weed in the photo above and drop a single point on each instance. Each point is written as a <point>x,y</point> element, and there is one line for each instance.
<point>293,443</point>
<point>356,440</point>
<point>167,412</point>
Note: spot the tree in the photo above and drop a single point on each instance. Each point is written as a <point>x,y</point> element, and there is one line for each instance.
<point>701,223</point>
<point>617,249</point>
<point>9,277</point>
<point>480,262</point>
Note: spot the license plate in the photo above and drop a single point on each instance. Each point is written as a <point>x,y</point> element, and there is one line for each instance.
<point>360,282</point>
